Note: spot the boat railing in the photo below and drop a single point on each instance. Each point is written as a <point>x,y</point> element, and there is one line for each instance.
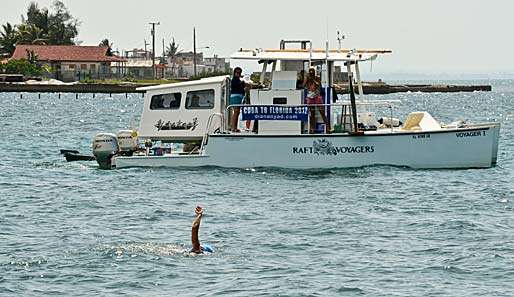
<point>344,105</point>
<point>208,128</point>
<point>388,103</point>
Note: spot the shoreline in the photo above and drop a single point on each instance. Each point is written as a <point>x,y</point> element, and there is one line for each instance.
<point>384,88</point>
<point>342,88</point>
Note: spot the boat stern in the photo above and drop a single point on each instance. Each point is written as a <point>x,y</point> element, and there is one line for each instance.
<point>495,129</point>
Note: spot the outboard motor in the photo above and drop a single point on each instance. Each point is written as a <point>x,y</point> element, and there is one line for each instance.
<point>105,146</point>
<point>148,146</point>
<point>127,141</point>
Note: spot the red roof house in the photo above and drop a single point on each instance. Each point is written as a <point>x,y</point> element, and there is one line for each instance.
<point>72,62</point>
<point>66,53</point>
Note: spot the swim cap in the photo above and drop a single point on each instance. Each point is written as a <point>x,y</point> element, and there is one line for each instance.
<point>207,248</point>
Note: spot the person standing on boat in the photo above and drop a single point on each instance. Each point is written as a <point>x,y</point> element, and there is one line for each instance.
<point>300,79</point>
<point>312,83</point>
<point>237,93</point>
<point>195,241</point>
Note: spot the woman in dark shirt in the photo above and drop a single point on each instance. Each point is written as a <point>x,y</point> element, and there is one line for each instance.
<point>237,93</point>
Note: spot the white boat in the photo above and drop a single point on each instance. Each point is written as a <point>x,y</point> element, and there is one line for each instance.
<point>195,114</point>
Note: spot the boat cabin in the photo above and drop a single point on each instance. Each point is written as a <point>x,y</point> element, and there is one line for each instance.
<point>185,112</point>
<point>179,112</point>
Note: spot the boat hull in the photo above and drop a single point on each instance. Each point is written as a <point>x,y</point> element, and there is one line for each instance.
<point>472,147</point>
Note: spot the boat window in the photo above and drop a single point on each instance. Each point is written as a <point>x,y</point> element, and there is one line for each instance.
<point>201,99</point>
<point>279,100</point>
<point>166,101</point>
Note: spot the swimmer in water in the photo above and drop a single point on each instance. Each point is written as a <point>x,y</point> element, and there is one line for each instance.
<point>197,248</point>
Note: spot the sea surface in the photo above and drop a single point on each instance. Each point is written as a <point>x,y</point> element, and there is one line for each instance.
<point>70,229</point>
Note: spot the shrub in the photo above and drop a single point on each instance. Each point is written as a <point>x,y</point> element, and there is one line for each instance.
<point>209,74</point>
<point>22,66</point>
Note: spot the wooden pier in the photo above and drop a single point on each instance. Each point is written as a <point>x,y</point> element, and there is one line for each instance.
<point>368,88</point>
<point>383,88</point>
<point>71,88</point>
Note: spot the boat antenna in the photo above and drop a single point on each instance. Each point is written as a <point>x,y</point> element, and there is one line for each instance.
<point>340,38</point>
<point>327,28</point>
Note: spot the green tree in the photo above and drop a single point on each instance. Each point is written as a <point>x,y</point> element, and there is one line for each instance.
<point>8,39</point>
<point>171,52</point>
<point>172,49</point>
<point>22,66</point>
<point>62,26</point>
<point>30,34</point>
<point>37,17</point>
<point>28,66</point>
<point>40,26</point>
<point>107,44</point>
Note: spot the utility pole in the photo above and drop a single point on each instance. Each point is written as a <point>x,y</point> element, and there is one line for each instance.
<point>194,51</point>
<point>163,50</point>
<point>153,47</point>
<point>163,59</point>
<point>146,51</point>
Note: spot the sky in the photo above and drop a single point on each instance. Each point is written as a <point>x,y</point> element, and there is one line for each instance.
<point>436,36</point>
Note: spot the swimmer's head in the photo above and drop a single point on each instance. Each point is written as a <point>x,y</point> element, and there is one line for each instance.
<point>206,248</point>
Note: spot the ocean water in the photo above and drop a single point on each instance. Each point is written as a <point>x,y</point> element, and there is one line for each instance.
<point>70,229</point>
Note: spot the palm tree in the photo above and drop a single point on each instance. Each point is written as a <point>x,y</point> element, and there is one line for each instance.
<point>172,49</point>
<point>30,34</point>
<point>105,42</point>
<point>40,26</point>
<point>8,39</point>
<point>171,52</point>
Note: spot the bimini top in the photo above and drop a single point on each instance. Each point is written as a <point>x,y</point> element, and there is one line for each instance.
<point>354,55</point>
<point>207,80</point>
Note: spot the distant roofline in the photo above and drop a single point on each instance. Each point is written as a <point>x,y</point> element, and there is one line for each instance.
<point>88,56</point>
<point>60,45</point>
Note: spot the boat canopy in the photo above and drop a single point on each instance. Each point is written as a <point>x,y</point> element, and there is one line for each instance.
<point>354,55</point>
<point>203,81</point>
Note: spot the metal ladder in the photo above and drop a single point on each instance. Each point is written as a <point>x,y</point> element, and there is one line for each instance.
<point>207,129</point>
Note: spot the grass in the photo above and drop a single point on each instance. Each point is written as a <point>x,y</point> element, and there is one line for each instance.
<point>135,81</point>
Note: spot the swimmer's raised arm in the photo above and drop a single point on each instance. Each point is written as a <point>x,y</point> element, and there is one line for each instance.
<point>194,231</point>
